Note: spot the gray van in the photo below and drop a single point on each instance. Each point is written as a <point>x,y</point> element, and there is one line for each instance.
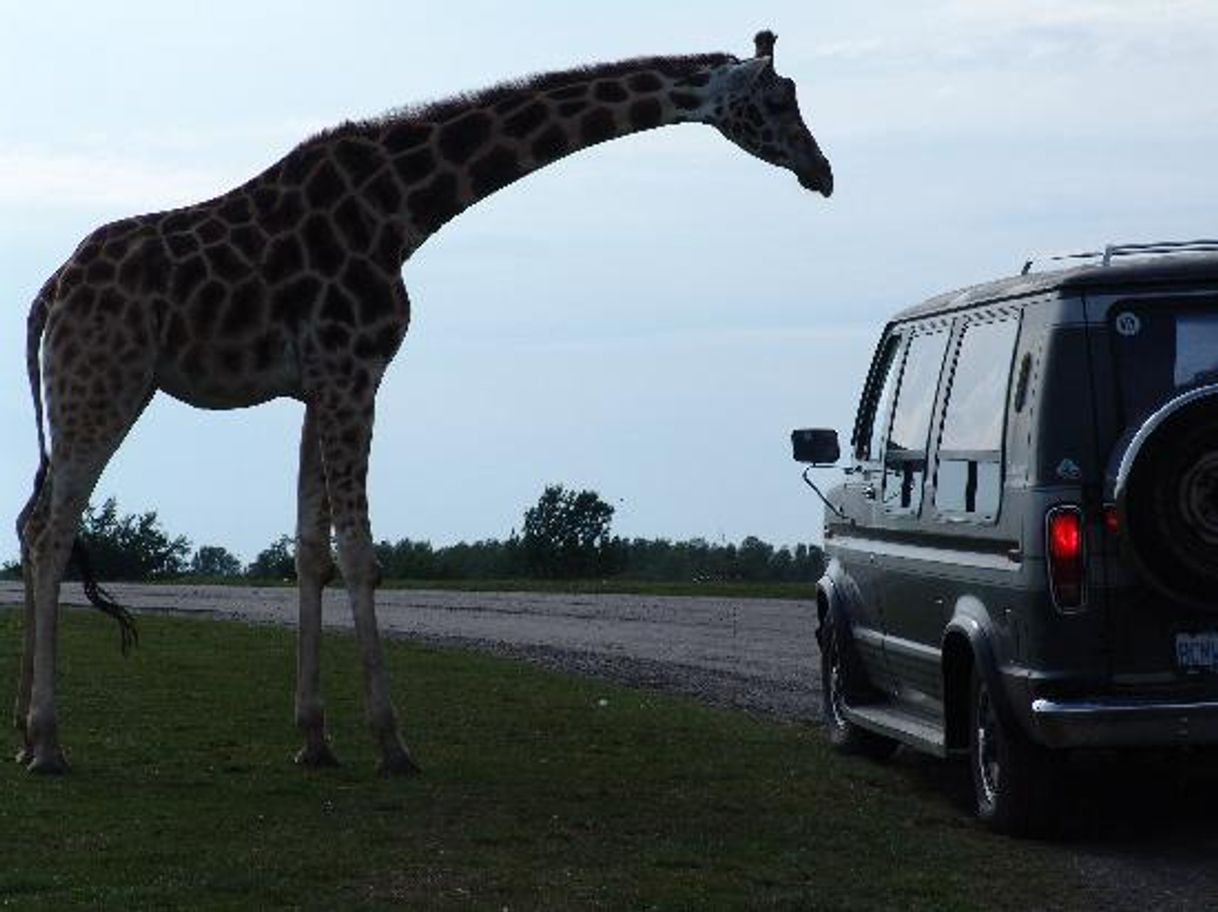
<point>1023,551</point>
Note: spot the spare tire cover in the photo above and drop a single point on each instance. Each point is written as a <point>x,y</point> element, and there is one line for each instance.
<point>1168,496</point>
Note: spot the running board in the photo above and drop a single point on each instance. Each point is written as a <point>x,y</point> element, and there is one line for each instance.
<point>884,719</point>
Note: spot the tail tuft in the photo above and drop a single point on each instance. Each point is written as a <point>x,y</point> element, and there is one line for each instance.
<point>102,600</point>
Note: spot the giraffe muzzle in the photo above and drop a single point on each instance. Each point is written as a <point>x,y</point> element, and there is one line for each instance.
<point>818,177</point>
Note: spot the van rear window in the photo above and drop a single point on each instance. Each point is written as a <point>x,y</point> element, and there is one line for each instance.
<point>1162,348</point>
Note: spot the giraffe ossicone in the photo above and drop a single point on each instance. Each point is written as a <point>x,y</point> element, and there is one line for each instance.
<point>290,285</point>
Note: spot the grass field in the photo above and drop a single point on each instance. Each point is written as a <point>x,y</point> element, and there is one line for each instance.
<point>540,791</point>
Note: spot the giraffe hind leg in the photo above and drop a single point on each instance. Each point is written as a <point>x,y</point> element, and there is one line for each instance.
<point>314,568</point>
<point>344,424</point>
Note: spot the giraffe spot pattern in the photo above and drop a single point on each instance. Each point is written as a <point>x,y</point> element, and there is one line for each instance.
<point>205,309</point>
<point>384,193</point>
<point>284,258</point>
<point>187,276</point>
<point>526,120</point>
<point>370,289</point>
<point>338,307</point>
<point>405,136</point>
<point>571,108</point>
<point>236,211</point>
<point>577,90</point>
<point>460,138</point>
<point>245,310</point>
<point>611,92</point>
<point>292,303</point>
<point>325,253</point>
<point>390,245</point>
<point>353,224</point>
<point>250,241</point>
<point>597,126</point>
<point>496,169</point>
<point>299,164</point>
<point>181,244</point>
<point>645,82</point>
<point>550,144</point>
<point>360,160</point>
<point>225,263</point>
<point>434,204</point>
<point>686,101</point>
<point>645,113</point>
<point>325,186</point>
<point>414,166</point>
<point>211,231</point>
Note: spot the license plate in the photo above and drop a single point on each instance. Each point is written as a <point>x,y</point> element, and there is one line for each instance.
<point>1197,651</point>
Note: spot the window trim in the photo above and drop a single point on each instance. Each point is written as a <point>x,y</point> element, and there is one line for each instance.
<point>914,331</point>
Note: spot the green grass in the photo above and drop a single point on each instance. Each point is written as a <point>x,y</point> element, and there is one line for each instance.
<point>541,791</point>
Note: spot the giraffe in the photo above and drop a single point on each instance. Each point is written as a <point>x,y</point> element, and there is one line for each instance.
<point>290,286</point>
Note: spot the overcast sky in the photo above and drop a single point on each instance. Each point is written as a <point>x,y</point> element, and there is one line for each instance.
<point>649,318</point>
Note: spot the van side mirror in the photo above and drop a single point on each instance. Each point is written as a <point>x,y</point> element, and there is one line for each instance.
<point>817,446</point>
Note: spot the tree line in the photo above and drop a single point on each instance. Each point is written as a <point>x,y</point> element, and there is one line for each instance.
<point>565,535</point>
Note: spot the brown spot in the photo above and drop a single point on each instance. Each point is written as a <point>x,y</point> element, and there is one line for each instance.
<point>354,224</point>
<point>645,82</point>
<point>611,92</point>
<point>384,193</point>
<point>571,108</point>
<point>283,259</point>
<point>414,166</point>
<point>495,170</point>
<point>552,143</point>
<point>597,126</point>
<point>326,255</point>
<point>211,231</point>
<point>526,120</point>
<point>686,101</point>
<point>645,113</point>
<point>404,136</point>
<point>460,138</point>
<point>434,204</point>
<point>358,159</point>
<point>325,186</point>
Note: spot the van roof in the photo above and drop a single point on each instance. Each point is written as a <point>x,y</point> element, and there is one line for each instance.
<point>1119,275</point>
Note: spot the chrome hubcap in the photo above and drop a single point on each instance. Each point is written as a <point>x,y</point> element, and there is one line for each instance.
<point>988,769</point>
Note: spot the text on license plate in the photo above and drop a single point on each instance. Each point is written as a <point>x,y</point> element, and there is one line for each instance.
<point>1197,651</point>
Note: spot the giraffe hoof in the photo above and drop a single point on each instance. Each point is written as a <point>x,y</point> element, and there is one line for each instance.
<point>51,763</point>
<point>313,756</point>
<point>398,764</point>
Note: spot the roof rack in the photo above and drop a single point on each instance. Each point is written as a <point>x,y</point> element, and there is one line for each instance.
<point>1110,251</point>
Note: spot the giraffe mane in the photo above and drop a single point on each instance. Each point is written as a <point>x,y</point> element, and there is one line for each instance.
<point>445,108</point>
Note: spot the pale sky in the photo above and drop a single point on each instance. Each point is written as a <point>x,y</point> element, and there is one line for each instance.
<point>649,318</point>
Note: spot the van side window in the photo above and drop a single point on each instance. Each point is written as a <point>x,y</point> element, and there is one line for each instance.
<point>872,419</point>
<point>905,453</point>
<point>969,478</point>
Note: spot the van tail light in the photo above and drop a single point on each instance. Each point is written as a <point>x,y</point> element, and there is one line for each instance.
<point>1064,544</point>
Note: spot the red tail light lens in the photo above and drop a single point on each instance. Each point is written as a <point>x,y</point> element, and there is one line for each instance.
<point>1064,543</point>
<point>1112,520</point>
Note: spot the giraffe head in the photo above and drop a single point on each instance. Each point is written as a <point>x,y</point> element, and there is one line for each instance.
<point>757,110</point>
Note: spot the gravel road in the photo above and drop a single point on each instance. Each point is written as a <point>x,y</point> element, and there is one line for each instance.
<point>756,654</point>
<point>1142,833</point>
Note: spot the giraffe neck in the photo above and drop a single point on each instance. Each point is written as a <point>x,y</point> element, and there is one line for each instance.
<point>414,170</point>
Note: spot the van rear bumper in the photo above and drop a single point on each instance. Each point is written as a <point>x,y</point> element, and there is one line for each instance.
<point>1118,722</point>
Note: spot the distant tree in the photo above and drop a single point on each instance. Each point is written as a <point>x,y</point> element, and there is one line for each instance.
<point>214,560</point>
<point>130,547</point>
<point>278,561</point>
<point>566,534</point>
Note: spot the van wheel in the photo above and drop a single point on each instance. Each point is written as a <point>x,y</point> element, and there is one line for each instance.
<point>839,671</point>
<point>1016,781</point>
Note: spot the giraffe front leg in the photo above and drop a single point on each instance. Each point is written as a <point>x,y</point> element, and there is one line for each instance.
<point>25,680</point>
<point>314,568</point>
<point>345,429</point>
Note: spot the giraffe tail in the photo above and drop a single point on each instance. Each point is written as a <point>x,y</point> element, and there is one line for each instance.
<point>98,597</point>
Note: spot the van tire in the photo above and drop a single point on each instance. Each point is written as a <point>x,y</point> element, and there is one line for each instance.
<point>1016,782</point>
<point>841,678</point>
